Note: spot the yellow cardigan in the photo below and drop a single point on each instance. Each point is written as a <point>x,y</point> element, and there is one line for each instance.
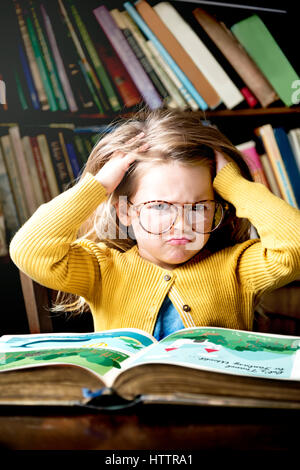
<point>124,290</point>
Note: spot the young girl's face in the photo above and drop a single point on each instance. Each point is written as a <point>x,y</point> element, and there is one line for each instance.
<point>178,184</point>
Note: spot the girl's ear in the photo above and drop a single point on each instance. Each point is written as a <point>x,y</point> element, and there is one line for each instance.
<point>123,211</point>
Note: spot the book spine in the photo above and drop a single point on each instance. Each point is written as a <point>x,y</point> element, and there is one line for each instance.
<point>15,180</point>
<point>40,168</point>
<point>34,176</point>
<point>15,137</point>
<point>161,73</point>
<point>73,159</point>
<point>31,58</point>
<point>49,62</point>
<point>270,144</point>
<point>183,93</point>
<point>120,77</point>
<point>3,241</point>
<point>48,165</point>
<point>81,151</point>
<point>62,142</point>
<point>167,57</point>
<point>270,175</point>
<point>94,83</point>
<point>295,144</point>
<point>139,53</point>
<point>200,55</point>
<point>3,102</point>
<point>59,163</point>
<point>59,62</point>
<point>41,64</point>
<point>30,83</point>
<point>134,68</point>
<point>289,160</point>
<point>237,57</point>
<point>102,74</point>
<point>7,200</point>
<point>252,159</point>
<point>20,91</point>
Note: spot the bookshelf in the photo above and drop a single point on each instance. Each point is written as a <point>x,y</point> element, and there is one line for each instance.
<point>237,123</point>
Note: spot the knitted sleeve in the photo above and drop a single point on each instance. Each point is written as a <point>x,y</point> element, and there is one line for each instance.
<point>45,248</point>
<point>273,259</point>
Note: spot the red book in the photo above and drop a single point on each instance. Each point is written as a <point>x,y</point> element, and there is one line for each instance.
<point>120,77</point>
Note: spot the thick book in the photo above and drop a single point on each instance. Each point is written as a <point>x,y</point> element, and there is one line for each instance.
<point>266,133</point>
<point>200,54</point>
<point>258,41</point>
<point>127,56</point>
<point>237,56</point>
<point>270,174</point>
<point>194,366</point>
<point>167,57</point>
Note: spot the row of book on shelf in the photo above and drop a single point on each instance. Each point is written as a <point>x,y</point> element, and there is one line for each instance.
<point>73,57</point>
<point>38,163</point>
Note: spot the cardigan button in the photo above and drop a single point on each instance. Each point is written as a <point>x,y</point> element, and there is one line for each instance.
<point>186,308</point>
<point>167,277</point>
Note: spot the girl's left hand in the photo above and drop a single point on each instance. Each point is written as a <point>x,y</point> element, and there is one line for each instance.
<point>221,161</point>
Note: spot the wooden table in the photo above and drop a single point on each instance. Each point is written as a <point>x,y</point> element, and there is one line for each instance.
<point>151,427</point>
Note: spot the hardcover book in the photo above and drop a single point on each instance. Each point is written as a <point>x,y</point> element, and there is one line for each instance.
<point>195,366</point>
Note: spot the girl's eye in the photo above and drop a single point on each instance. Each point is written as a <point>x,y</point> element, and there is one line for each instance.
<point>160,206</point>
<point>199,208</point>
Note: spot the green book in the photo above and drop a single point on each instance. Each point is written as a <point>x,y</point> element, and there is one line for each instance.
<point>266,53</point>
<point>49,61</point>
<point>41,65</point>
<point>101,72</point>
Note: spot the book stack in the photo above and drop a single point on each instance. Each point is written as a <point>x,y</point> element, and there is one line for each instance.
<point>277,162</point>
<point>77,57</point>
<point>36,164</point>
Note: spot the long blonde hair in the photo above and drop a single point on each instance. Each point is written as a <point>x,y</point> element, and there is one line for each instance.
<point>173,135</point>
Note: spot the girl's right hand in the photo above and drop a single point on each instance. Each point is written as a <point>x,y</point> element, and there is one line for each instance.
<point>113,171</point>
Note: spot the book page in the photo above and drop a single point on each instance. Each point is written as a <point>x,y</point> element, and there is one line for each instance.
<point>99,352</point>
<point>227,351</point>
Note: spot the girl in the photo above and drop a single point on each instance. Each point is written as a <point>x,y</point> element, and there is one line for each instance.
<point>155,235</point>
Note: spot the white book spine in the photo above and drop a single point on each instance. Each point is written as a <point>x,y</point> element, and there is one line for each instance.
<point>199,53</point>
<point>15,138</point>
<point>33,170</point>
<point>186,95</point>
<point>294,139</point>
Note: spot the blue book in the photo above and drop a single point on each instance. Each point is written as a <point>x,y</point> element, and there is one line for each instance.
<point>166,56</point>
<point>32,90</point>
<point>289,160</point>
<point>73,159</point>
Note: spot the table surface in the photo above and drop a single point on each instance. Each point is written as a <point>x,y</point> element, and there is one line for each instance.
<point>159,427</point>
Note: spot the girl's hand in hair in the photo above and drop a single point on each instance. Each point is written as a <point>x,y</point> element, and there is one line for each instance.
<point>113,171</point>
<point>221,161</point>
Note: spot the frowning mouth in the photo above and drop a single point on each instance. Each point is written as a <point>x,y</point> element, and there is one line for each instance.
<point>178,241</point>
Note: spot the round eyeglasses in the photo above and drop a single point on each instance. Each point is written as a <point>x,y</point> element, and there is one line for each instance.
<point>158,217</point>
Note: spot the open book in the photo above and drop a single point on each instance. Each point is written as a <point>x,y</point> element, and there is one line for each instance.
<point>204,366</point>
